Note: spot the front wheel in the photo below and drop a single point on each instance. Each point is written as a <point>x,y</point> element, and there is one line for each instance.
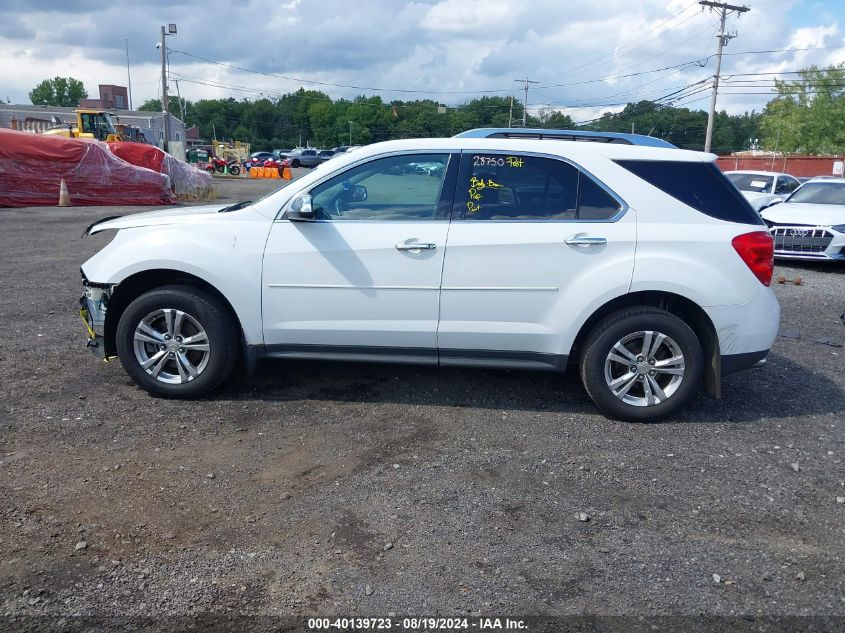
<point>295,163</point>
<point>177,342</point>
<point>641,364</point>
<point>234,170</point>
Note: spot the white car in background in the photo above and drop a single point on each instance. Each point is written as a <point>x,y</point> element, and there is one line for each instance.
<point>763,188</point>
<point>632,262</point>
<point>810,225</point>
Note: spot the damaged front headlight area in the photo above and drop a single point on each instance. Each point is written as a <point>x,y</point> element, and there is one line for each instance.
<point>92,308</point>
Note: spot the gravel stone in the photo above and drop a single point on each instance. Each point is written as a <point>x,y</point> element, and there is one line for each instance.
<point>472,527</point>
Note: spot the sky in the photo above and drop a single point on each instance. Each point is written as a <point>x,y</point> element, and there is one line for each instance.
<point>587,56</point>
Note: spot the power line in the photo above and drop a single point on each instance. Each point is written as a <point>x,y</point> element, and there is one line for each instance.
<point>583,67</point>
<point>331,84</point>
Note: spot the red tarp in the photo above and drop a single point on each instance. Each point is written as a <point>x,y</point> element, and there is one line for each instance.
<point>187,180</point>
<point>33,165</point>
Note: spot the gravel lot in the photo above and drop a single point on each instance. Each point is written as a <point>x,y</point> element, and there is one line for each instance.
<point>367,490</point>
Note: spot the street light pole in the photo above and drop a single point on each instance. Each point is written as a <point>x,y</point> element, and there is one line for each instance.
<point>165,101</point>
<point>128,74</point>
<point>350,132</point>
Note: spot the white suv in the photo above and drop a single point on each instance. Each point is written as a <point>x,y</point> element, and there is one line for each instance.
<point>642,266</point>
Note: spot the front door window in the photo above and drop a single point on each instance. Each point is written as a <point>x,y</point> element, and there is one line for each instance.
<point>395,188</point>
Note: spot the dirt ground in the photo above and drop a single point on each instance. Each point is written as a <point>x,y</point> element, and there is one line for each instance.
<point>341,490</point>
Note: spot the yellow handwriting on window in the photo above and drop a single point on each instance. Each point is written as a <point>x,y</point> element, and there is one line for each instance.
<point>513,161</point>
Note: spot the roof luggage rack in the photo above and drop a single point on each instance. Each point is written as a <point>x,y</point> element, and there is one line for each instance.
<point>565,135</point>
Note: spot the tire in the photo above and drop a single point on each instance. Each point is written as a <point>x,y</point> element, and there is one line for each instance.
<point>677,379</point>
<point>185,368</point>
<point>234,170</point>
<point>295,163</point>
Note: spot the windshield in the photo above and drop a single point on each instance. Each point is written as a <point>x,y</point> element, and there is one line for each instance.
<point>756,183</point>
<point>98,124</point>
<point>820,193</point>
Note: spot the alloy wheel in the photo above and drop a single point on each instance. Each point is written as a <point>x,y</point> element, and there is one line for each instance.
<point>171,346</point>
<point>644,368</point>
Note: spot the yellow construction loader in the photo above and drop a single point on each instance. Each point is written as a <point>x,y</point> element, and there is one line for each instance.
<point>96,124</point>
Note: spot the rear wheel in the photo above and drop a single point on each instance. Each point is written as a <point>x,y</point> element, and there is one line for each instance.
<point>641,364</point>
<point>177,342</point>
<point>234,170</point>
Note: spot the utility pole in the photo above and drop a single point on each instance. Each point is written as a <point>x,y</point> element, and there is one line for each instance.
<point>165,102</point>
<point>181,103</point>
<point>725,10</point>
<point>525,85</point>
<point>128,75</point>
<point>350,132</point>
<point>510,112</point>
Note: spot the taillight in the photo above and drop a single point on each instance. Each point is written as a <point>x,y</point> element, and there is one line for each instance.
<point>757,250</point>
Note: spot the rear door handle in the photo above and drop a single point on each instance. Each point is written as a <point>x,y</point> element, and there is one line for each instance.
<point>583,241</point>
<point>415,246</point>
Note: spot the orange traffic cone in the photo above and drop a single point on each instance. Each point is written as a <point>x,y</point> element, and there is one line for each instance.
<point>64,196</point>
<point>286,173</point>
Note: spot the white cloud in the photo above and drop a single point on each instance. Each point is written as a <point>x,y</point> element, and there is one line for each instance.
<point>428,45</point>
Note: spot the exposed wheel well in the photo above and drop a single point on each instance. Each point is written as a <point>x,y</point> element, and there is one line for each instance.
<point>139,283</point>
<point>690,312</point>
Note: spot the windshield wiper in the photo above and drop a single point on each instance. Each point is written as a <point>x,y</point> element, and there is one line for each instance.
<point>236,206</point>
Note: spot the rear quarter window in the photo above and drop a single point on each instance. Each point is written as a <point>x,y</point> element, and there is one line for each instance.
<point>701,186</point>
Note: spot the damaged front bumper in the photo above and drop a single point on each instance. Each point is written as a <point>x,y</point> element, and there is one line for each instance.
<point>92,311</point>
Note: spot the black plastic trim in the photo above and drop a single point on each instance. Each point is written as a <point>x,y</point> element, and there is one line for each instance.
<point>359,353</point>
<point>732,363</point>
<point>502,359</point>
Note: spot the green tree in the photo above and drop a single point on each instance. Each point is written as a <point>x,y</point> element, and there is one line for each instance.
<point>154,105</point>
<point>807,114</point>
<point>59,91</point>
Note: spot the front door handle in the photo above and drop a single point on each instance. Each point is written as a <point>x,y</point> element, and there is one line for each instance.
<point>583,241</point>
<point>413,245</point>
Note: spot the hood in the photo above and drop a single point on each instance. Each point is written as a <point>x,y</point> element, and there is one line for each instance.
<point>758,200</point>
<point>805,213</point>
<point>161,217</point>
<point>751,196</point>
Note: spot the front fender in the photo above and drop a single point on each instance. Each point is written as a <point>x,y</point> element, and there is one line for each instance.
<point>227,259</point>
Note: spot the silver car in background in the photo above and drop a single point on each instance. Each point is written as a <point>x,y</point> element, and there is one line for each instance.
<point>304,158</point>
<point>763,188</point>
<point>810,224</point>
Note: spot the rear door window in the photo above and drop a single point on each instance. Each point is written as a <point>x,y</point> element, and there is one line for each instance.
<point>701,186</point>
<point>503,187</point>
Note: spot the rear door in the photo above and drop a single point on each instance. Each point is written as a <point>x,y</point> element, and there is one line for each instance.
<point>535,245</point>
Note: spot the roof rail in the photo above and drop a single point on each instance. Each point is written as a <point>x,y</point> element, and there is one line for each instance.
<point>565,135</point>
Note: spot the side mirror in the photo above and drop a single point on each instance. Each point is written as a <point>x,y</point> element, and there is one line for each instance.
<point>302,209</point>
<point>359,193</point>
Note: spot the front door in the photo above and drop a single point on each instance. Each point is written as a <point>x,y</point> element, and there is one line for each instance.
<point>363,279</point>
<point>535,245</point>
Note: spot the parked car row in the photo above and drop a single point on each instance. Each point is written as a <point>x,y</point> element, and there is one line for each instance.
<point>305,156</point>
<point>806,219</point>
